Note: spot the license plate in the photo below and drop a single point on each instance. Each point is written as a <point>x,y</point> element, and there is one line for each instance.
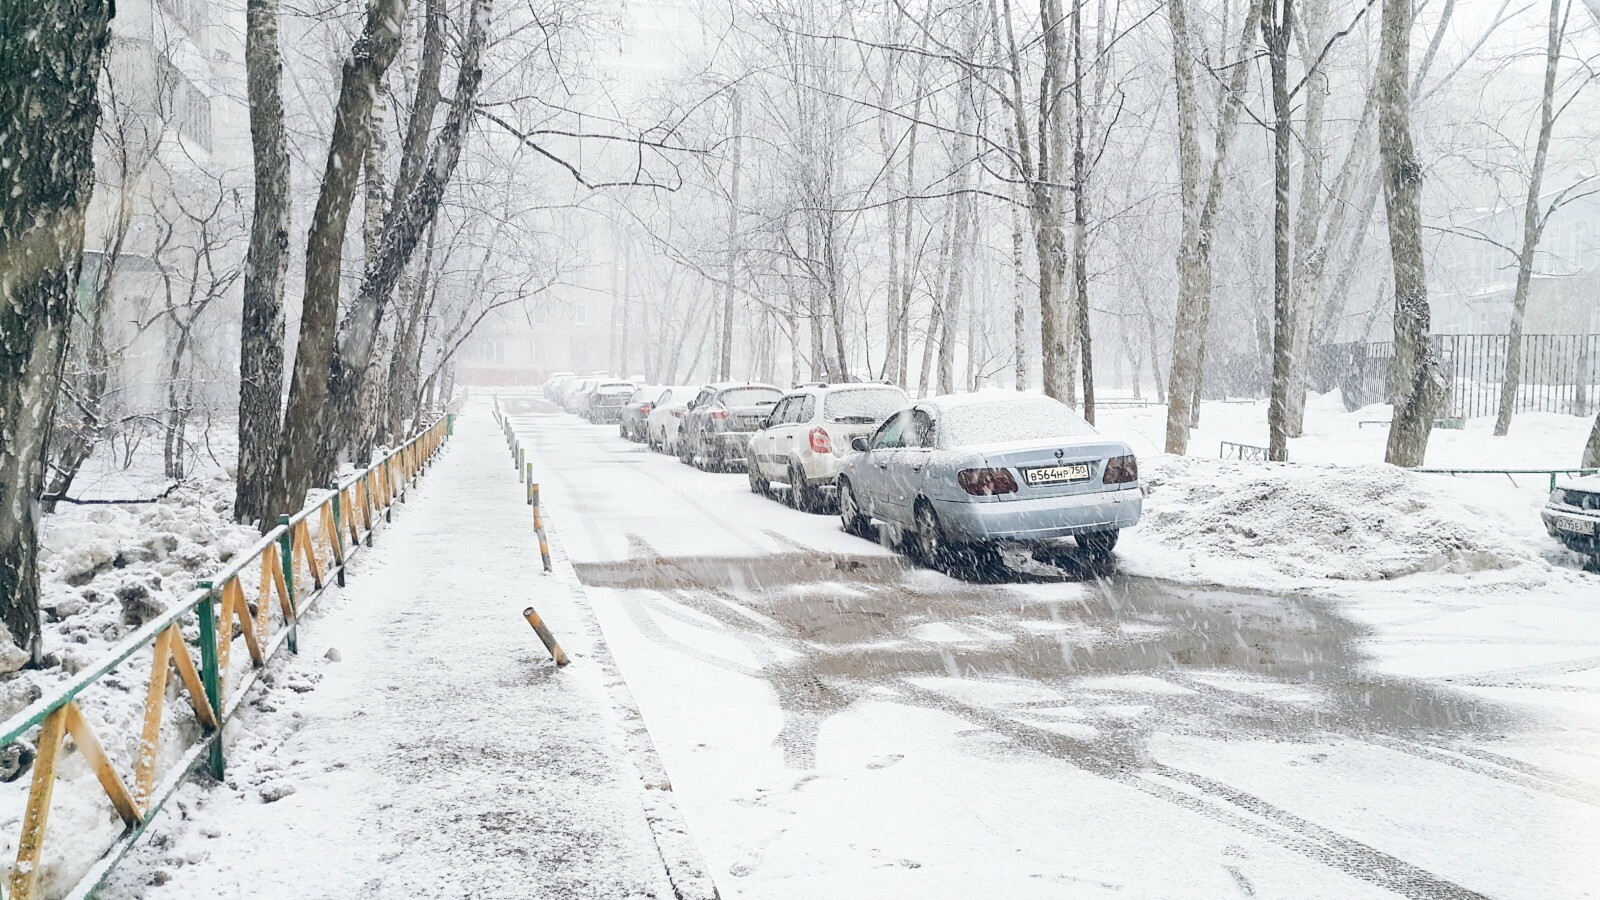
<point>1056,474</point>
<point>1575,526</point>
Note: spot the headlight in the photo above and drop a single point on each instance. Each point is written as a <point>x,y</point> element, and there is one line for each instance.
<point>1558,497</point>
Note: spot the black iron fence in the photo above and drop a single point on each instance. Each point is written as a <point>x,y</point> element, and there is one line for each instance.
<point>1560,373</point>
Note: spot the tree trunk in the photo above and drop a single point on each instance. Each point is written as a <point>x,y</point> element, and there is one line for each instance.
<point>266,265</point>
<point>1080,218</point>
<point>725,368</point>
<point>1591,450</point>
<point>404,226</point>
<point>1019,311</point>
<point>52,52</point>
<point>1276,26</point>
<point>1199,206</point>
<point>1532,227</point>
<point>1420,386</point>
<point>304,417</point>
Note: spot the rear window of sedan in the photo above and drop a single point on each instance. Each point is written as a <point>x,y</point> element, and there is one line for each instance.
<point>750,396</point>
<point>1003,421</point>
<point>862,406</point>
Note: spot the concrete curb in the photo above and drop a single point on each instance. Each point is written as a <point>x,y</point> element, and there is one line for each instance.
<point>686,868</point>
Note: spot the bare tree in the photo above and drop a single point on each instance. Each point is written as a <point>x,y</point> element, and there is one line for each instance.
<point>1534,217</point>
<point>303,419</point>
<point>261,324</point>
<point>53,50</point>
<point>1417,371</point>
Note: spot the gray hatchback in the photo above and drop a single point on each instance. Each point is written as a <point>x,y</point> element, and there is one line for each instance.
<point>958,475</point>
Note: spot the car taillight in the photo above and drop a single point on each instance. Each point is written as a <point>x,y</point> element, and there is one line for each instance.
<point>1121,470</point>
<point>719,414</point>
<point>987,482</point>
<point>820,442</point>
<point>644,409</point>
<point>677,413</point>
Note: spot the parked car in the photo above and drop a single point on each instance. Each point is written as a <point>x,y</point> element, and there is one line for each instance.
<point>1572,515</point>
<point>720,421</point>
<point>607,400</point>
<point>954,476</point>
<point>577,395</point>
<point>666,416</point>
<point>552,386</point>
<point>805,440</point>
<point>637,411</point>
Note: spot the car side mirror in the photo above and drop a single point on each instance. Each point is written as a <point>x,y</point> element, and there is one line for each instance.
<point>766,422</point>
<point>859,444</point>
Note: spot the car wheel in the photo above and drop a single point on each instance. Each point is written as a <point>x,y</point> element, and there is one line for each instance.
<point>802,496</point>
<point>1097,545</point>
<point>929,537</point>
<point>758,484</point>
<point>849,513</point>
<point>685,451</point>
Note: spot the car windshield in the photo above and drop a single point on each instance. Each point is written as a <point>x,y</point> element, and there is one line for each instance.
<point>1031,419</point>
<point>751,396</point>
<point>862,406</point>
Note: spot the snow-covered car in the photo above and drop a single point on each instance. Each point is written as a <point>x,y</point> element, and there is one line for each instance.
<point>1572,515</point>
<point>553,384</point>
<point>807,436</point>
<point>666,417</point>
<point>637,411</point>
<point>607,400</point>
<point>720,421</point>
<point>956,476</point>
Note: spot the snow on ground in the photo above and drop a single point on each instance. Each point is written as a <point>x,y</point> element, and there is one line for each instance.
<point>1336,512</point>
<point>1402,710</point>
<point>423,744</point>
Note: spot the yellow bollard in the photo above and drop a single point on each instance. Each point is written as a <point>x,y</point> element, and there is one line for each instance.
<point>538,528</point>
<point>543,631</point>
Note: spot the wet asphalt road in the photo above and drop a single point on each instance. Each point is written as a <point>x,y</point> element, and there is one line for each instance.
<point>1117,662</point>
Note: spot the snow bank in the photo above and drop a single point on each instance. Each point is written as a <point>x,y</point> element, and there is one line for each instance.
<point>1297,522</point>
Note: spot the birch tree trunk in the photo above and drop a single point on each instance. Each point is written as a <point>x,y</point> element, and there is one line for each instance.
<point>1532,226</point>
<point>1080,218</point>
<point>1419,385</point>
<point>403,228</point>
<point>304,419</point>
<point>266,266</point>
<point>1591,450</point>
<point>1199,210</point>
<point>725,368</point>
<point>52,52</point>
<point>1276,26</point>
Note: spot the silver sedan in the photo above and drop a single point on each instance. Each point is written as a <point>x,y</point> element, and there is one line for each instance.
<point>958,475</point>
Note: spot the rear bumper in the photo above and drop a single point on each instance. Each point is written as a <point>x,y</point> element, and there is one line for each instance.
<point>730,443</point>
<point>606,413</point>
<point>1041,519</point>
<point>821,469</point>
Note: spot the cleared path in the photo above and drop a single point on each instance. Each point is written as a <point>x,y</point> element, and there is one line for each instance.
<point>442,755</point>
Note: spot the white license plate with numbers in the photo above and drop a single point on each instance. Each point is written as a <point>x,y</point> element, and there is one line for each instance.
<point>1056,474</point>
<point>1573,525</point>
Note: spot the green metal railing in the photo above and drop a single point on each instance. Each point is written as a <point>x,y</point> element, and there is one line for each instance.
<point>303,547</point>
<point>1553,473</point>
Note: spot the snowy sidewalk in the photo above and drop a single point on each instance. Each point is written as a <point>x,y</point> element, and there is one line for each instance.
<point>437,753</point>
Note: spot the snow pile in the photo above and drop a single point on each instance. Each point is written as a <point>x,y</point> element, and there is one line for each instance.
<point>1363,523</point>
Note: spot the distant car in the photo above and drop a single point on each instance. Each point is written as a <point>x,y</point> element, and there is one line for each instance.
<point>577,390</point>
<point>607,400</point>
<point>666,416</point>
<point>720,421</point>
<point>637,411</point>
<point>806,438</point>
<point>552,383</point>
<point>1572,515</point>
<point>957,475</point>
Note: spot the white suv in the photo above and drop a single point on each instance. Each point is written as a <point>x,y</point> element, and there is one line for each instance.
<point>807,437</point>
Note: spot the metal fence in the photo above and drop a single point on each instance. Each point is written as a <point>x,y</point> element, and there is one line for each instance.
<point>1560,373</point>
<point>286,570</point>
